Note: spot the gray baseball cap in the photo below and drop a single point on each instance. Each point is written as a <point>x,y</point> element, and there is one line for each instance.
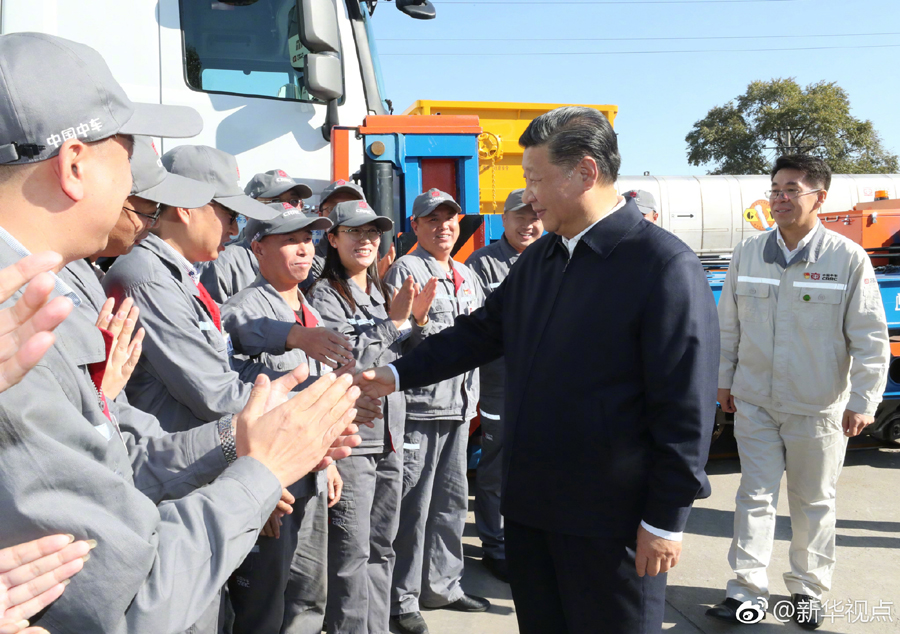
<point>356,213</point>
<point>274,183</point>
<point>219,169</point>
<point>427,202</point>
<point>644,200</point>
<point>287,220</point>
<point>53,90</point>
<point>514,201</point>
<point>150,180</point>
<point>341,186</point>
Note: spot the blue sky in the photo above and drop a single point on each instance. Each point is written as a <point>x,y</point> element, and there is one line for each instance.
<point>660,96</point>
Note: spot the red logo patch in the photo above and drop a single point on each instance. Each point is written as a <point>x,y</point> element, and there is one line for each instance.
<point>806,275</point>
<point>288,206</point>
<point>435,193</point>
<point>816,276</point>
<point>282,173</point>
<point>340,182</point>
<point>363,205</point>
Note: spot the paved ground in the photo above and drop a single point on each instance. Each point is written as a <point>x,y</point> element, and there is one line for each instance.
<point>868,568</point>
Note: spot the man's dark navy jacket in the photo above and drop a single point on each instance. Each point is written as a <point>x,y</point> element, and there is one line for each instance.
<point>612,363</point>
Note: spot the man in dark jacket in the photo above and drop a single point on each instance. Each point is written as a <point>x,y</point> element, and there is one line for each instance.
<point>610,336</point>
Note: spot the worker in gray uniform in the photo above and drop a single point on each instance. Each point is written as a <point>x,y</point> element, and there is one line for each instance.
<point>152,186</point>
<point>185,376</point>
<point>352,299</point>
<point>435,490</point>
<point>163,548</point>
<point>521,227</point>
<point>236,267</point>
<point>268,598</point>
<point>337,192</point>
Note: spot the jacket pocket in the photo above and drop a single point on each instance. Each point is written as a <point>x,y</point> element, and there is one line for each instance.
<point>413,453</point>
<point>752,302</point>
<point>818,309</point>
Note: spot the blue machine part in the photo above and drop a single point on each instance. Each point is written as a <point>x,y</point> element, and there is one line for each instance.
<point>406,152</point>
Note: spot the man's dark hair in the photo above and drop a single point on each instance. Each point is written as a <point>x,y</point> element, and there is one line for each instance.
<point>816,172</point>
<point>573,132</point>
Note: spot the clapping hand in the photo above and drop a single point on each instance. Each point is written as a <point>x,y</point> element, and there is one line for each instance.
<point>126,350</point>
<point>34,574</point>
<point>26,327</point>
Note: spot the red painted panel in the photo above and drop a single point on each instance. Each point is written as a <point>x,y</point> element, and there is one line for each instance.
<point>440,173</point>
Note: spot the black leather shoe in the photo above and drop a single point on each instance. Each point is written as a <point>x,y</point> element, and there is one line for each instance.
<point>410,623</point>
<point>727,611</point>
<point>496,567</point>
<point>469,603</point>
<point>807,611</point>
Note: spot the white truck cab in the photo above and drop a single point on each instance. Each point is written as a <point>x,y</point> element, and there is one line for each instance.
<point>269,77</point>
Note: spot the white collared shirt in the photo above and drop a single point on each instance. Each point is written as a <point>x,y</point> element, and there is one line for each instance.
<point>189,268</point>
<point>788,254</point>
<point>571,243</point>
<point>58,285</point>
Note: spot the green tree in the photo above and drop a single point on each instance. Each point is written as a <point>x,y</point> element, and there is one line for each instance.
<point>780,117</point>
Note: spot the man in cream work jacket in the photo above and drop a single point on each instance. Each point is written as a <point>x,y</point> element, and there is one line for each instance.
<point>804,360</point>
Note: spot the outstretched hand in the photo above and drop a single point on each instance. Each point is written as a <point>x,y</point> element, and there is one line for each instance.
<point>376,382</point>
<point>26,327</point>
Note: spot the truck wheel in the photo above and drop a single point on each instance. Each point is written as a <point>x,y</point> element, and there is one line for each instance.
<point>891,431</point>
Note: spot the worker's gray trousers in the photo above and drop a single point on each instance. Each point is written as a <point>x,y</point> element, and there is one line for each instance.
<point>432,516</point>
<point>361,532</point>
<point>810,451</point>
<point>280,587</point>
<point>488,520</point>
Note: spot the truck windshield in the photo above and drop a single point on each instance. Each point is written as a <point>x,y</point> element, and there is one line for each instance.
<point>241,48</point>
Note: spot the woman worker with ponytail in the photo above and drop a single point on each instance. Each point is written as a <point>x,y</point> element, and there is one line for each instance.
<point>352,300</point>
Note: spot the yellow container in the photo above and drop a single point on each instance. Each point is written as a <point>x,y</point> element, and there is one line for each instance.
<point>500,164</point>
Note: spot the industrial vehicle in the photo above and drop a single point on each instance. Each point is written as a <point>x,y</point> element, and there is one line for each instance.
<point>297,85</point>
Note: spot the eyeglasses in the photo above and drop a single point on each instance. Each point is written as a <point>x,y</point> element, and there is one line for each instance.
<point>153,218</point>
<point>790,194</point>
<point>363,234</point>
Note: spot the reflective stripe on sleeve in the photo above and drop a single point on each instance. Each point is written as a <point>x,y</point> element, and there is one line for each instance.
<point>759,280</point>
<point>489,416</point>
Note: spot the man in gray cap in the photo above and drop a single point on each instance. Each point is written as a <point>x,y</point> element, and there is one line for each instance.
<point>236,267</point>
<point>185,376</point>
<point>163,549</point>
<point>521,227</point>
<point>646,204</point>
<point>429,562</point>
<point>268,594</point>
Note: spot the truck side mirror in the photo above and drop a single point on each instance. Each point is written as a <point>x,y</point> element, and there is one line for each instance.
<point>315,49</point>
<point>324,77</point>
<point>418,9</point>
<point>319,26</point>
